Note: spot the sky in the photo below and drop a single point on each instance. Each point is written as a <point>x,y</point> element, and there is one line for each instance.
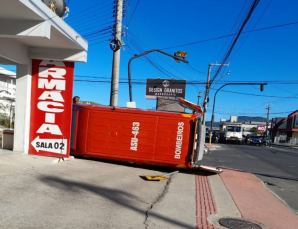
<point>265,51</point>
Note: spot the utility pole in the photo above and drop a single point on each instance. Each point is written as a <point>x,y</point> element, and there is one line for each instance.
<point>206,100</point>
<point>116,45</point>
<point>198,103</point>
<point>267,123</point>
<point>199,96</point>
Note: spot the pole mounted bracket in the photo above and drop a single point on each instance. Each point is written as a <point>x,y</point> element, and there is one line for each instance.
<point>115,44</point>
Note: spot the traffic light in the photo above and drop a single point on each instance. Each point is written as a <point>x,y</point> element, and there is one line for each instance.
<point>180,54</point>
<point>262,87</point>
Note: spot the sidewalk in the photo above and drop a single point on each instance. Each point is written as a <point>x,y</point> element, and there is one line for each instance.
<point>213,146</point>
<point>234,195</point>
<point>285,145</point>
<point>38,192</point>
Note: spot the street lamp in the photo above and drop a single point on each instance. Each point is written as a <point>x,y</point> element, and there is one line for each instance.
<point>208,85</point>
<point>212,118</point>
<point>179,56</point>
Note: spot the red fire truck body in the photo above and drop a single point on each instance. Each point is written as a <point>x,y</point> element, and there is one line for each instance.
<point>135,135</point>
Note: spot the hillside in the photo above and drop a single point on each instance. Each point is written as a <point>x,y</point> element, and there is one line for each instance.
<point>251,119</point>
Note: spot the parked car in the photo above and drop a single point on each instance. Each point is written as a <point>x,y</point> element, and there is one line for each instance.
<point>256,140</point>
<point>247,139</point>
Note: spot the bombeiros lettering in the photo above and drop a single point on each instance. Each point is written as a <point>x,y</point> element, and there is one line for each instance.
<point>179,140</point>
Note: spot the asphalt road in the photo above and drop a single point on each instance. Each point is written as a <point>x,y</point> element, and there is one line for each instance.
<point>277,167</point>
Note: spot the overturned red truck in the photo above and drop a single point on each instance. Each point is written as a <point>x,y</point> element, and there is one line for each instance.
<point>139,136</point>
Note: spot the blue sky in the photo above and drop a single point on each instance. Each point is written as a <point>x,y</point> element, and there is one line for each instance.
<point>266,54</point>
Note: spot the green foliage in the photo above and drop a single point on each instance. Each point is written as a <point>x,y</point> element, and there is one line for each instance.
<point>4,118</point>
<point>4,121</point>
<point>255,131</point>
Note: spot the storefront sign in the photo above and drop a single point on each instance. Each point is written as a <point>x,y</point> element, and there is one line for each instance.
<point>165,88</point>
<point>51,106</point>
<point>261,128</point>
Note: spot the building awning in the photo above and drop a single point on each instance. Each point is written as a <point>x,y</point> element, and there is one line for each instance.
<point>30,30</point>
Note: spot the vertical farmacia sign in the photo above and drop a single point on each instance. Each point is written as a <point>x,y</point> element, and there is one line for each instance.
<point>51,105</point>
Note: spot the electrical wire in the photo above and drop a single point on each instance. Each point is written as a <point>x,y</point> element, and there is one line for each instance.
<point>157,66</point>
<point>224,36</point>
<point>133,12</point>
<point>98,32</point>
<point>98,42</point>
<point>252,29</point>
<point>80,25</point>
<point>92,8</point>
<point>244,7</point>
<point>268,96</point>
<point>97,26</point>
<point>98,38</point>
<point>227,55</point>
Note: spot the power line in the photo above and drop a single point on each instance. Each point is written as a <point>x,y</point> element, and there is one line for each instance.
<point>252,28</point>
<point>244,8</point>
<point>98,38</point>
<point>133,13</point>
<point>96,26</point>
<point>98,43</point>
<point>92,8</point>
<point>269,96</point>
<point>225,59</point>
<point>98,32</point>
<point>156,65</point>
<point>224,36</point>
<point>80,25</point>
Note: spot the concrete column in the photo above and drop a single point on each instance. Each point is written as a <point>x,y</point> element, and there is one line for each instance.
<point>22,108</point>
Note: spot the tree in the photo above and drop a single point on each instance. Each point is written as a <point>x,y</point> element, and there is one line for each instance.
<point>255,131</point>
<point>6,115</point>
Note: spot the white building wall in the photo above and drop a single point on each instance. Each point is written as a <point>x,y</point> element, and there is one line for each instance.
<point>33,31</point>
<point>7,93</point>
<point>22,110</point>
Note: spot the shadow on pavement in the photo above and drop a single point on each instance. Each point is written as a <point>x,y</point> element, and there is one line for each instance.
<point>161,169</point>
<point>117,196</point>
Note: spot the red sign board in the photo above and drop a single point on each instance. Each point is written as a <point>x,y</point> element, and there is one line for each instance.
<point>51,106</point>
<point>261,128</point>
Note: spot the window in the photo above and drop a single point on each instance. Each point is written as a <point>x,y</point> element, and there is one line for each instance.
<point>234,128</point>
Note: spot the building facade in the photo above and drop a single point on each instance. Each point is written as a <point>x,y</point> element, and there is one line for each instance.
<point>7,96</point>
<point>285,130</point>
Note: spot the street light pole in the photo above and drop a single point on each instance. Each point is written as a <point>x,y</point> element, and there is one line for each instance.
<point>206,94</point>
<point>199,96</point>
<point>267,123</point>
<point>212,118</point>
<point>177,58</point>
<point>206,100</point>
